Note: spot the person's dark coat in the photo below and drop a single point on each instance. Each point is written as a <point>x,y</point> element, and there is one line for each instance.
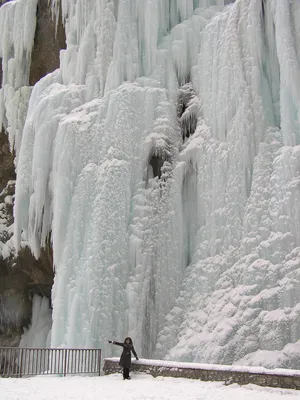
<point>125,360</point>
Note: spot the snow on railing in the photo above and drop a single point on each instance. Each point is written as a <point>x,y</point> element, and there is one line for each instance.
<point>17,362</point>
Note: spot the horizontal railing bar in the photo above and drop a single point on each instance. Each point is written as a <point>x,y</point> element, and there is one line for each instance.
<point>49,348</point>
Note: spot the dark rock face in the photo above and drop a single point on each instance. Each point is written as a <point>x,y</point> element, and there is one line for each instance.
<point>48,41</point>
<point>7,170</point>
<point>20,278</point>
<point>21,275</point>
<point>37,275</point>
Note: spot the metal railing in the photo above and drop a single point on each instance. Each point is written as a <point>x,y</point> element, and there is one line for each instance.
<point>17,362</point>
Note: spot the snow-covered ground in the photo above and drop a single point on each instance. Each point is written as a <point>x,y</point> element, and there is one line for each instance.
<point>141,387</point>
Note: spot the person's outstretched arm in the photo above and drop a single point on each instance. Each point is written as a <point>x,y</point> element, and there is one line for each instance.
<point>134,353</point>
<point>116,343</point>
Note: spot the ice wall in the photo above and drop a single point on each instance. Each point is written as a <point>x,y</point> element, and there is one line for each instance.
<point>240,293</point>
<point>120,139</point>
<point>163,156</point>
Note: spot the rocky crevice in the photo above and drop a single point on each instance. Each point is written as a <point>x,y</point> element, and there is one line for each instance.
<point>7,169</point>
<point>187,110</point>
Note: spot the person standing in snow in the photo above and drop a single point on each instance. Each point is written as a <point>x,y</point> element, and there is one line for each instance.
<point>125,360</point>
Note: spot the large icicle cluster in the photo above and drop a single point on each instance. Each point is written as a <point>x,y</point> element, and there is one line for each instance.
<point>17,28</point>
<point>111,217</point>
<point>163,156</point>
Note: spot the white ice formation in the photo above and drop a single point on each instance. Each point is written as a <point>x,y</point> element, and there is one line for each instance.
<point>37,334</point>
<point>164,157</point>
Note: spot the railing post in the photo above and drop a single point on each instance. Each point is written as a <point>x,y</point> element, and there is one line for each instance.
<point>65,366</point>
<point>99,361</point>
<point>21,362</point>
<point>9,361</point>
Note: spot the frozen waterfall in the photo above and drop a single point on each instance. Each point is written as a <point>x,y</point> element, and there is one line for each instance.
<point>163,156</point>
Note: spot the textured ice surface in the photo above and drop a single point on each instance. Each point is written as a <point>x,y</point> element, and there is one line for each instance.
<point>191,247</point>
